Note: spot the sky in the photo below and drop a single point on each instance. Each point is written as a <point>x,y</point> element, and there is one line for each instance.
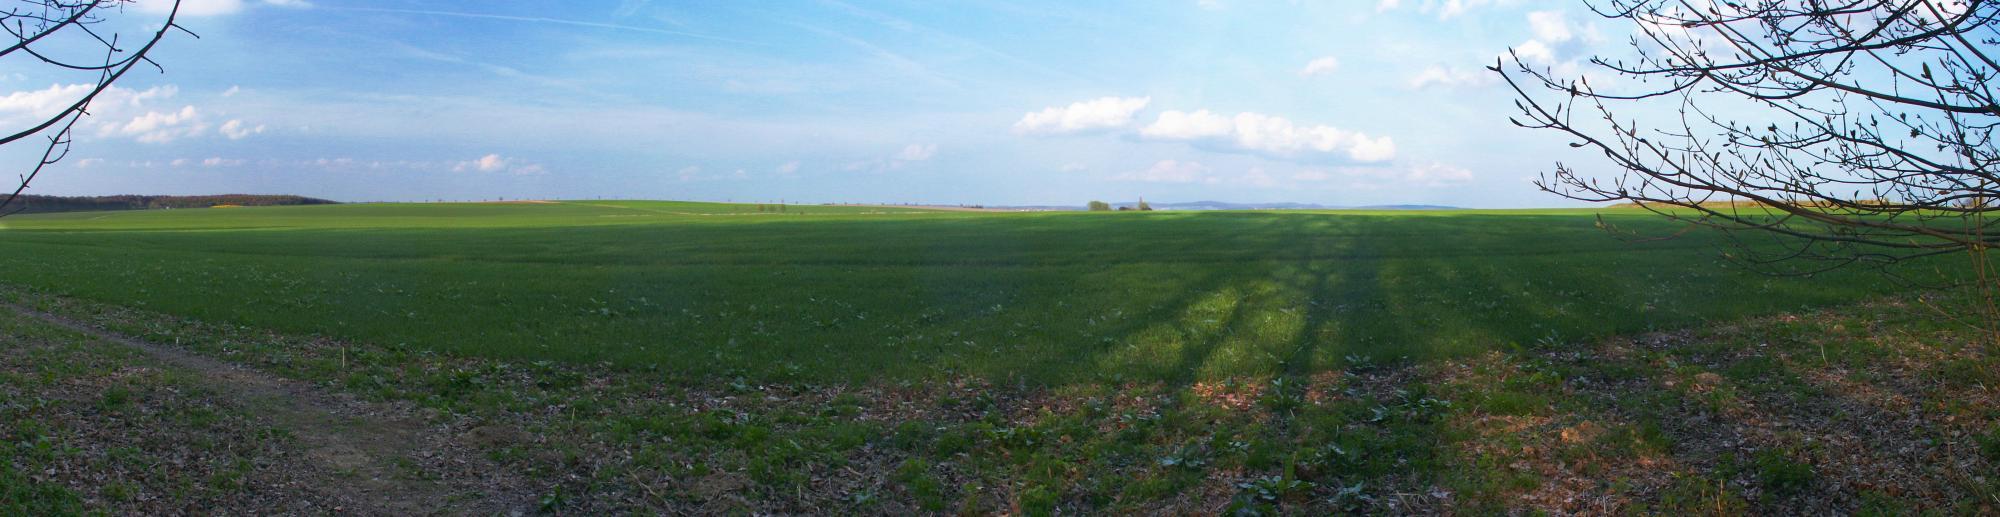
<point>991,102</point>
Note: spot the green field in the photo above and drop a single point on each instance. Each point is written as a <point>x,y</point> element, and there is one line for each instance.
<point>850,293</point>
<point>656,357</point>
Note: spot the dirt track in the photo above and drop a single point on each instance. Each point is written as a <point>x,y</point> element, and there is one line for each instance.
<point>354,449</point>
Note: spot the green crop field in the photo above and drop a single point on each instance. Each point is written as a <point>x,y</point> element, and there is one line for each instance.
<point>657,357</point>
<point>847,293</point>
<point>853,293</point>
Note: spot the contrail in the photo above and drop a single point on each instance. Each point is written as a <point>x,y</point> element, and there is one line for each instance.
<point>539,19</point>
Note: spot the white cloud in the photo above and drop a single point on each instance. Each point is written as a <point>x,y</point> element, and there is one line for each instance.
<point>297,4</point>
<point>1267,134</point>
<point>232,91</point>
<point>1550,26</point>
<point>1321,66</point>
<point>1560,45</point>
<point>236,130</point>
<point>917,152</point>
<point>1096,114</point>
<point>1452,78</point>
<point>1534,51</point>
<point>1169,171</point>
<point>1212,5</point>
<point>88,162</point>
<point>218,161</point>
<point>41,103</point>
<point>115,112</point>
<point>1073,167</point>
<point>1387,5</point>
<point>495,163</point>
<point>155,127</point>
<point>789,168</point>
<point>488,163</point>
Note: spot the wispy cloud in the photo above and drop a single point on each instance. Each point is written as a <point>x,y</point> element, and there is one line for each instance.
<point>550,21</point>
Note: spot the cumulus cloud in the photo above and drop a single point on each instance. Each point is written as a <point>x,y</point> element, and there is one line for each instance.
<point>235,129</point>
<point>1269,135</point>
<point>1321,66</point>
<point>1550,26</point>
<point>23,105</point>
<point>42,103</point>
<point>488,163</point>
<point>118,112</point>
<point>496,163</point>
<point>155,127</point>
<point>1097,114</point>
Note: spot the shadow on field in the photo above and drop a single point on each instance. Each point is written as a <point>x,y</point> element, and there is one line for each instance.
<point>1043,298</point>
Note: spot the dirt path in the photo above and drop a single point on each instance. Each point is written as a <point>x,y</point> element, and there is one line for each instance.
<point>363,454</point>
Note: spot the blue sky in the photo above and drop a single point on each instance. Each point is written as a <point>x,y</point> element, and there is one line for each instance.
<point>994,102</point>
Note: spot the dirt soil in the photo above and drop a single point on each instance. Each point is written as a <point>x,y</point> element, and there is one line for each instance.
<point>358,454</point>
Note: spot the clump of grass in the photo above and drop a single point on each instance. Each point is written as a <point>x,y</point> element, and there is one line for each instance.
<point>1781,473</point>
<point>1989,444</point>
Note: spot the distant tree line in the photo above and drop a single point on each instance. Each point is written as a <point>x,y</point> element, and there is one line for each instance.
<point>1100,206</point>
<point>31,203</point>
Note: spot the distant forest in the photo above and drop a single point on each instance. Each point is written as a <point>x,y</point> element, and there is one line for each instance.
<point>32,204</point>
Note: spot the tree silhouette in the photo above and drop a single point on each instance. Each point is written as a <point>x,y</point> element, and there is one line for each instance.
<point>46,35</point>
<point>1831,132</point>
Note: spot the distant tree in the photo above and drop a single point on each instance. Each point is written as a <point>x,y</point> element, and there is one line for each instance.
<point>1099,206</point>
<point>48,35</point>
<point>1833,132</point>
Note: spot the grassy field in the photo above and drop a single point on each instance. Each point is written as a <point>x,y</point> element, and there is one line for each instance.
<point>852,293</point>
<point>645,357</point>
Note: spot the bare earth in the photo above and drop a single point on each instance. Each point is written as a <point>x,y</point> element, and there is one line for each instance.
<point>357,453</point>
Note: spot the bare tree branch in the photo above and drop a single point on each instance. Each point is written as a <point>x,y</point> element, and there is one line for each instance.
<point>65,24</point>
